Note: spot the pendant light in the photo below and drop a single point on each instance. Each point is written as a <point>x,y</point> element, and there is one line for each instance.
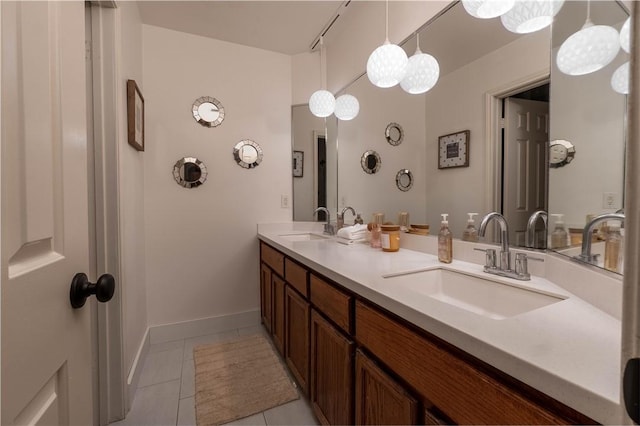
<point>624,35</point>
<point>528,16</point>
<point>588,50</point>
<point>387,65</point>
<point>620,79</point>
<point>423,72</point>
<point>486,9</point>
<point>347,107</point>
<point>322,103</point>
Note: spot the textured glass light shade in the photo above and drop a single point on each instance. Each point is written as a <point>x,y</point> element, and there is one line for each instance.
<point>588,50</point>
<point>423,72</point>
<point>387,65</point>
<point>620,79</point>
<point>322,103</point>
<point>624,35</point>
<point>486,9</point>
<point>528,16</point>
<point>347,107</point>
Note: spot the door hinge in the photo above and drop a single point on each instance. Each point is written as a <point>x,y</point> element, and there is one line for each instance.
<point>631,389</point>
<point>502,123</point>
<point>87,50</point>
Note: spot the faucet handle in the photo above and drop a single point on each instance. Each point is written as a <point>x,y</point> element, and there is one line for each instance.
<point>489,259</point>
<point>522,266</point>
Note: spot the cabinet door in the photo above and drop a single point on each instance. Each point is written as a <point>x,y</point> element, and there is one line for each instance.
<point>296,323</point>
<point>266,307</point>
<point>277,287</point>
<point>331,373</point>
<point>380,400</point>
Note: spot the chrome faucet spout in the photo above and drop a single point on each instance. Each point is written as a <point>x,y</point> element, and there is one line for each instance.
<point>328,227</point>
<point>587,232</point>
<point>504,229</point>
<point>348,208</point>
<point>531,227</point>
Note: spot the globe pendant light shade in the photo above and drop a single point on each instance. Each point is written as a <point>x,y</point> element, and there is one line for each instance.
<point>423,72</point>
<point>322,103</point>
<point>347,107</point>
<point>528,16</point>
<point>624,35</point>
<point>620,79</point>
<point>387,65</point>
<point>588,50</point>
<point>486,9</point>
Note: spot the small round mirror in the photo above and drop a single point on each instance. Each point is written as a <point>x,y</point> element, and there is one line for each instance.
<point>189,172</point>
<point>208,111</point>
<point>247,154</point>
<point>371,162</point>
<point>394,134</point>
<point>404,180</point>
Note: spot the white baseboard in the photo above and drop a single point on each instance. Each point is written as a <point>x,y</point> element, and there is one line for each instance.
<point>201,327</point>
<point>136,370</point>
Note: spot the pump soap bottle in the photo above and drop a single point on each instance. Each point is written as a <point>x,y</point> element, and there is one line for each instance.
<point>470,232</point>
<point>559,236</point>
<point>445,244</point>
<point>613,248</point>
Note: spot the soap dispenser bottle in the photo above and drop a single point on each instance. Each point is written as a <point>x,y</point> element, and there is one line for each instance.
<point>559,236</point>
<point>470,232</point>
<point>613,248</point>
<point>445,244</point>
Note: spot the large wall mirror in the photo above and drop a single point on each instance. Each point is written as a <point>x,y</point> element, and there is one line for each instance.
<point>487,72</point>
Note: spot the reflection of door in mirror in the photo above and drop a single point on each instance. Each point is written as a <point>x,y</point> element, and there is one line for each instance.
<point>317,186</point>
<point>524,165</point>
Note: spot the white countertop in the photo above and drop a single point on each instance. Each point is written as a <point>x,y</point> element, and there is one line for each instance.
<point>569,350</point>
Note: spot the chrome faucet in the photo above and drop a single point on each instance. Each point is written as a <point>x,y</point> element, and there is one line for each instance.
<point>505,256</point>
<point>531,228</point>
<point>329,229</point>
<point>587,232</point>
<point>340,220</point>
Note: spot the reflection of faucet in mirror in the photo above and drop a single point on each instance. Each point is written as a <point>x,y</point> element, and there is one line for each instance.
<point>340,220</point>
<point>530,238</point>
<point>329,229</point>
<point>587,232</point>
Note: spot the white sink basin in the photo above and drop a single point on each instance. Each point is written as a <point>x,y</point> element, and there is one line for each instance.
<point>303,237</point>
<point>486,297</point>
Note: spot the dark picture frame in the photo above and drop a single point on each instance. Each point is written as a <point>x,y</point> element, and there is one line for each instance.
<point>298,163</point>
<point>135,116</point>
<point>453,150</point>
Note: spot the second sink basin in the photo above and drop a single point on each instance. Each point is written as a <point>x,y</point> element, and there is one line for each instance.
<point>307,236</point>
<point>486,297</point>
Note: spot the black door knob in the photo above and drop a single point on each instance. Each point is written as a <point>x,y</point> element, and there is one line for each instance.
<point>81,288</point>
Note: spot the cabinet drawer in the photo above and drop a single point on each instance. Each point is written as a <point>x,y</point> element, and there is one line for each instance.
<point>273,258</point>
<point>332,302</point>
<point>463,392</point>
<point>296,276</point>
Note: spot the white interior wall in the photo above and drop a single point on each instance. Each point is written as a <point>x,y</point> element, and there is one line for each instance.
<point>132,190</point>
<point>597,132</point>
<point>457,103</point>
<point>369,193</point>
<point>305,76</point>
<point>201,249</point>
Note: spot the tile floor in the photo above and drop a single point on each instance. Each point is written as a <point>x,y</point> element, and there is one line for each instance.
<point>165,394</point>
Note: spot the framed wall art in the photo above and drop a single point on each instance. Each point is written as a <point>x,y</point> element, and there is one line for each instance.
<point>453,150</point>
<point>298,163</point>
<point>135,116</point>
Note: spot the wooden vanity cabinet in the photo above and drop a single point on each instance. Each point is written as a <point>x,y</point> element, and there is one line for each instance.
<point>278,316</point>
<point>331,373</point>
<point>379,399</point>
<point>266,306</point>
<point>296,324</point>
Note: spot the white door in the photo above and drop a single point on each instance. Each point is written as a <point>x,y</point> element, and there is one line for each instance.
<point>526,137</point>
<point>46,346</point>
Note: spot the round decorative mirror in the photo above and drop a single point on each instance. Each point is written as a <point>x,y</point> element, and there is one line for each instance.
<point>394,134</point>
<point>371,162</point>
<point>561,153</point>
<point>247,154</point>
<point>189,172</point>
<point>208,111</point>
<point>404,180</point>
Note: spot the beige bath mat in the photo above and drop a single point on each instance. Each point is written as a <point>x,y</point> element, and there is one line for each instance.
<point>238,378</point>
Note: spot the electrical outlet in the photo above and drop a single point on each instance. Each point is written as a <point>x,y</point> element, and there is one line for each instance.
<point>611,200</point>
<point>284,201</point>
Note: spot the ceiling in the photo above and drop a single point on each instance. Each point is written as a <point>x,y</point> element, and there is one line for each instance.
<point>288,27</point>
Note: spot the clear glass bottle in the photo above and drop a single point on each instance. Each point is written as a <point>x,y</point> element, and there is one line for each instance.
<point>376,231</point>
<point>559,236</point>
<point>470,232</point>
<point>445,241</point>
<point>613,248</point>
